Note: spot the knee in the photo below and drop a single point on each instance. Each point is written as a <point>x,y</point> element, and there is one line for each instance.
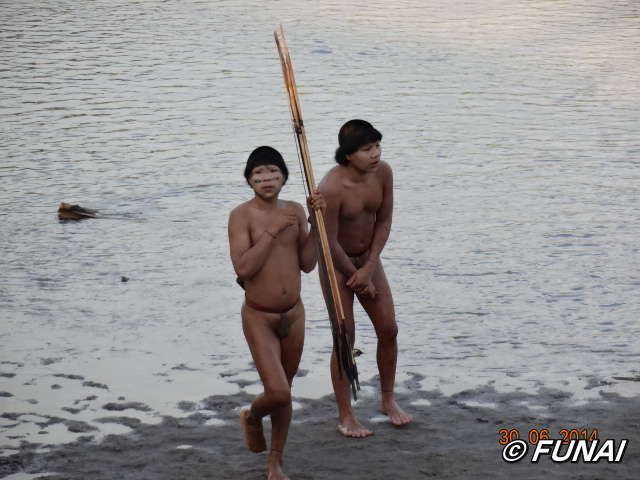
<point>280,397</point>
<point>387,333</point>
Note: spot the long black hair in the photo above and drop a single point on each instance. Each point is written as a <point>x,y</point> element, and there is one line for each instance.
<point>353,135</point>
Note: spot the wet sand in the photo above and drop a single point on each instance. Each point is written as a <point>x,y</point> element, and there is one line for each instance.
<point>451,437</point>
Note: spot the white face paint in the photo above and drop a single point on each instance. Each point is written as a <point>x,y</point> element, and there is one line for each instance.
<point>268,177</point>
<point>265,174</point>
<point>266,181</point>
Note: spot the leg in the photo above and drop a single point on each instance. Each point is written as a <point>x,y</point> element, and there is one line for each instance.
<point>348,425</point>
<point>266,351</point>
<point>382,314</point>
<point>291,351</point>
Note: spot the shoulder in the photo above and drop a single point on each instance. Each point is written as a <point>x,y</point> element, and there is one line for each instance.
<point>384,173</point>
<point>331,183</point>
<point>385,169</point>
<point>295,206</point>
<point>238,213</point>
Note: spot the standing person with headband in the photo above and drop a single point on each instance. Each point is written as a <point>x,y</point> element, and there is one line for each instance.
<point>270,244</point>
<point>359,198</point>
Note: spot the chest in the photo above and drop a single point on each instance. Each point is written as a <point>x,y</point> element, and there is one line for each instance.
<point>361,198</point>
<point>262,221</point>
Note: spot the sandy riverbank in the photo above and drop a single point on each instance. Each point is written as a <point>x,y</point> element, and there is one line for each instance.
<point>451,437</point>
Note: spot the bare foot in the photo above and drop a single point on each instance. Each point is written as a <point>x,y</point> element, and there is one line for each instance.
<point>276,473</point>
<point>253,434</point>
<point>352,428</point>
<point>397,416</point>
<point>275,467</point>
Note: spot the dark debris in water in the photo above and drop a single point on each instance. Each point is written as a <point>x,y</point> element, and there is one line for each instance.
<point>15,364</point>
<point>49,361</point>
<point>187,406</point>
<point>79,427</point>
<point>245,383</point>
<point>184,367</point>
<point>628,379</point>
<point>118,407</point>
<point>68,376</point>
<point>597,382</point>
<point>73,411</point>
<point>86,399</point>
<point>130,422</point>
<point>67,211</point>
<point>95,385</point>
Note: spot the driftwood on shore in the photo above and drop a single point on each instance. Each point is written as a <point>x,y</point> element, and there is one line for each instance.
<point>66,211</point>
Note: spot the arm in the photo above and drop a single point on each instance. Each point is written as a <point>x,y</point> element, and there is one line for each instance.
<point>382,228</point>
<point>308,251</point>
<point>247,259</point>
<point>341,260</point>
<point>306,244</point>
